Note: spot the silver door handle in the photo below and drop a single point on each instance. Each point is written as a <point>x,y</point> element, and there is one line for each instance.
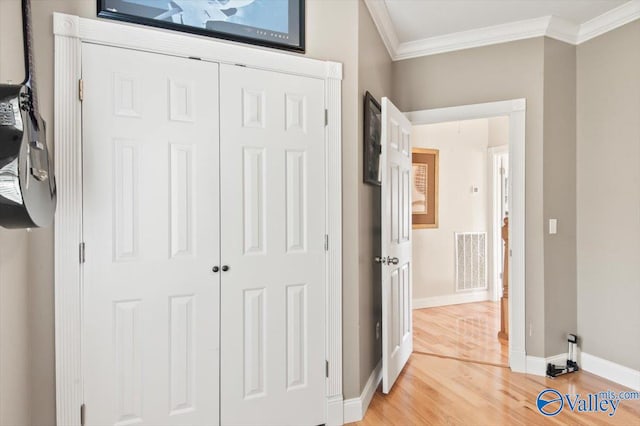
<point>392,260</point>
<point>379,259</point>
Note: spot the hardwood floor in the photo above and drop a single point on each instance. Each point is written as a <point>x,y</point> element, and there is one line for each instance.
<point>468,331</point>
<point>439,391</point>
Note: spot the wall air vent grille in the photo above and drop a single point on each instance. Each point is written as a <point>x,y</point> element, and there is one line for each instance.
<point>471,261</point>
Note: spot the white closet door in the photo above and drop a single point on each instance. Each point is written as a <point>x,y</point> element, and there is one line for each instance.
<point>151,206</point>
<point>397,330</point>
<point>273,227</point>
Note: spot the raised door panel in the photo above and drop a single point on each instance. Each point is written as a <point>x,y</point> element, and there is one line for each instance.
<point>128,361</point>
<point>253,108</point>
<point>182,354</point>
<point>395,206</point>
<point>254,356</point>
<point>181,100</point>
<point>254,209</point>
<point>297,336</point>
<point>296,112</point>
<point>126,95</point>
<point>296,186</point>
<point>126,220</point>
<point>182,197</point>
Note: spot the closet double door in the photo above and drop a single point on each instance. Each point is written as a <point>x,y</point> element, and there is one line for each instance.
<point>204,227</point>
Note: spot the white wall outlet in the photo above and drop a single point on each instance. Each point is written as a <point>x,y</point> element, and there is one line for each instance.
<point>378,330</point>
<point>553,226</point>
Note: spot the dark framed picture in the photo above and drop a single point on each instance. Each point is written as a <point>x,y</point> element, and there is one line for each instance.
<point>271,23</point>
<point>372,146</point>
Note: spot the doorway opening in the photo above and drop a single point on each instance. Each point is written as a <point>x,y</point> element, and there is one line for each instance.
<point>459,271</point>
<point>458,264</point>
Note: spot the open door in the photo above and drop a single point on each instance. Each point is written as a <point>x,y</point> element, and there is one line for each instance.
<point>397,341</point>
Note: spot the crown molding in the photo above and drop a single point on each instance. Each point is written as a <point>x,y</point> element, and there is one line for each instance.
<point>547,26</point>
<point>563,30</point>
<point>382,20</point>
<point>609,21</point>
<point>473,38</point>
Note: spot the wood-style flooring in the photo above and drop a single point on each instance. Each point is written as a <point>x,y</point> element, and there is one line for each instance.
<point>468,332</point>
<point>440,390</point>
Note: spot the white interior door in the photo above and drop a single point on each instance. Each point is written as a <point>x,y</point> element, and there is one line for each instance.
<point>397,340</point>
<point>273,215</point>
<point>151,221</point>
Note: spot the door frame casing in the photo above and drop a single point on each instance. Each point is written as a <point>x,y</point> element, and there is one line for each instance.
<point>516,110</point>
<point>70,32</point>
<point>495,224</point>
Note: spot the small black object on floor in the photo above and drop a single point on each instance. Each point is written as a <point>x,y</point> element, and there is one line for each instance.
<point>572,365</point>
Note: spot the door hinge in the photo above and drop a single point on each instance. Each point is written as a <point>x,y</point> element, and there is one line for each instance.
<point>326,117</point>
<point>326,368</point>
<point>81,90</point>
<point>82,247</point>
<point>326,242</point>
<point>82,414</point>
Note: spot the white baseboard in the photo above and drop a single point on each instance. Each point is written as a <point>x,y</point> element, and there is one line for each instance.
<point>335,411</point>
<point>518,361</point>
<point>352,410</point>
<point>451,299</point>
<point>620,374</point>
<point>355,408</point>
<point>538,365</point>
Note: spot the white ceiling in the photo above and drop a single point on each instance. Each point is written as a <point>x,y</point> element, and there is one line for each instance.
<point>413,28</point>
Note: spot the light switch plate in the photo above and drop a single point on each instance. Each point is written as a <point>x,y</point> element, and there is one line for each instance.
<point>553,226</point>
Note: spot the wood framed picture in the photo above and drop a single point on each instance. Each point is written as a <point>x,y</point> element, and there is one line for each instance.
<point>271,23</point>
<point>372,146</point>
<point>424,193</point>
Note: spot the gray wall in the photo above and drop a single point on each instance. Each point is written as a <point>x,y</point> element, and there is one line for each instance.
<point>609,195</point>
<point>14,329</point>
<point>486,74</point>
<point>374,75</point>
<point>560,306</point>
<point>14,289</point>
<point>26,307</point>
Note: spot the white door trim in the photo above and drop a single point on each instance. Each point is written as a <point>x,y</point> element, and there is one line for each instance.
<point>516,110</point>
<point>70,32</point>
<point>495,225</point>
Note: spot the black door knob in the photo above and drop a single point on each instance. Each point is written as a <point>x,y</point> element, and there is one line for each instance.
<point>225,268</point>
<point>215,269</point>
